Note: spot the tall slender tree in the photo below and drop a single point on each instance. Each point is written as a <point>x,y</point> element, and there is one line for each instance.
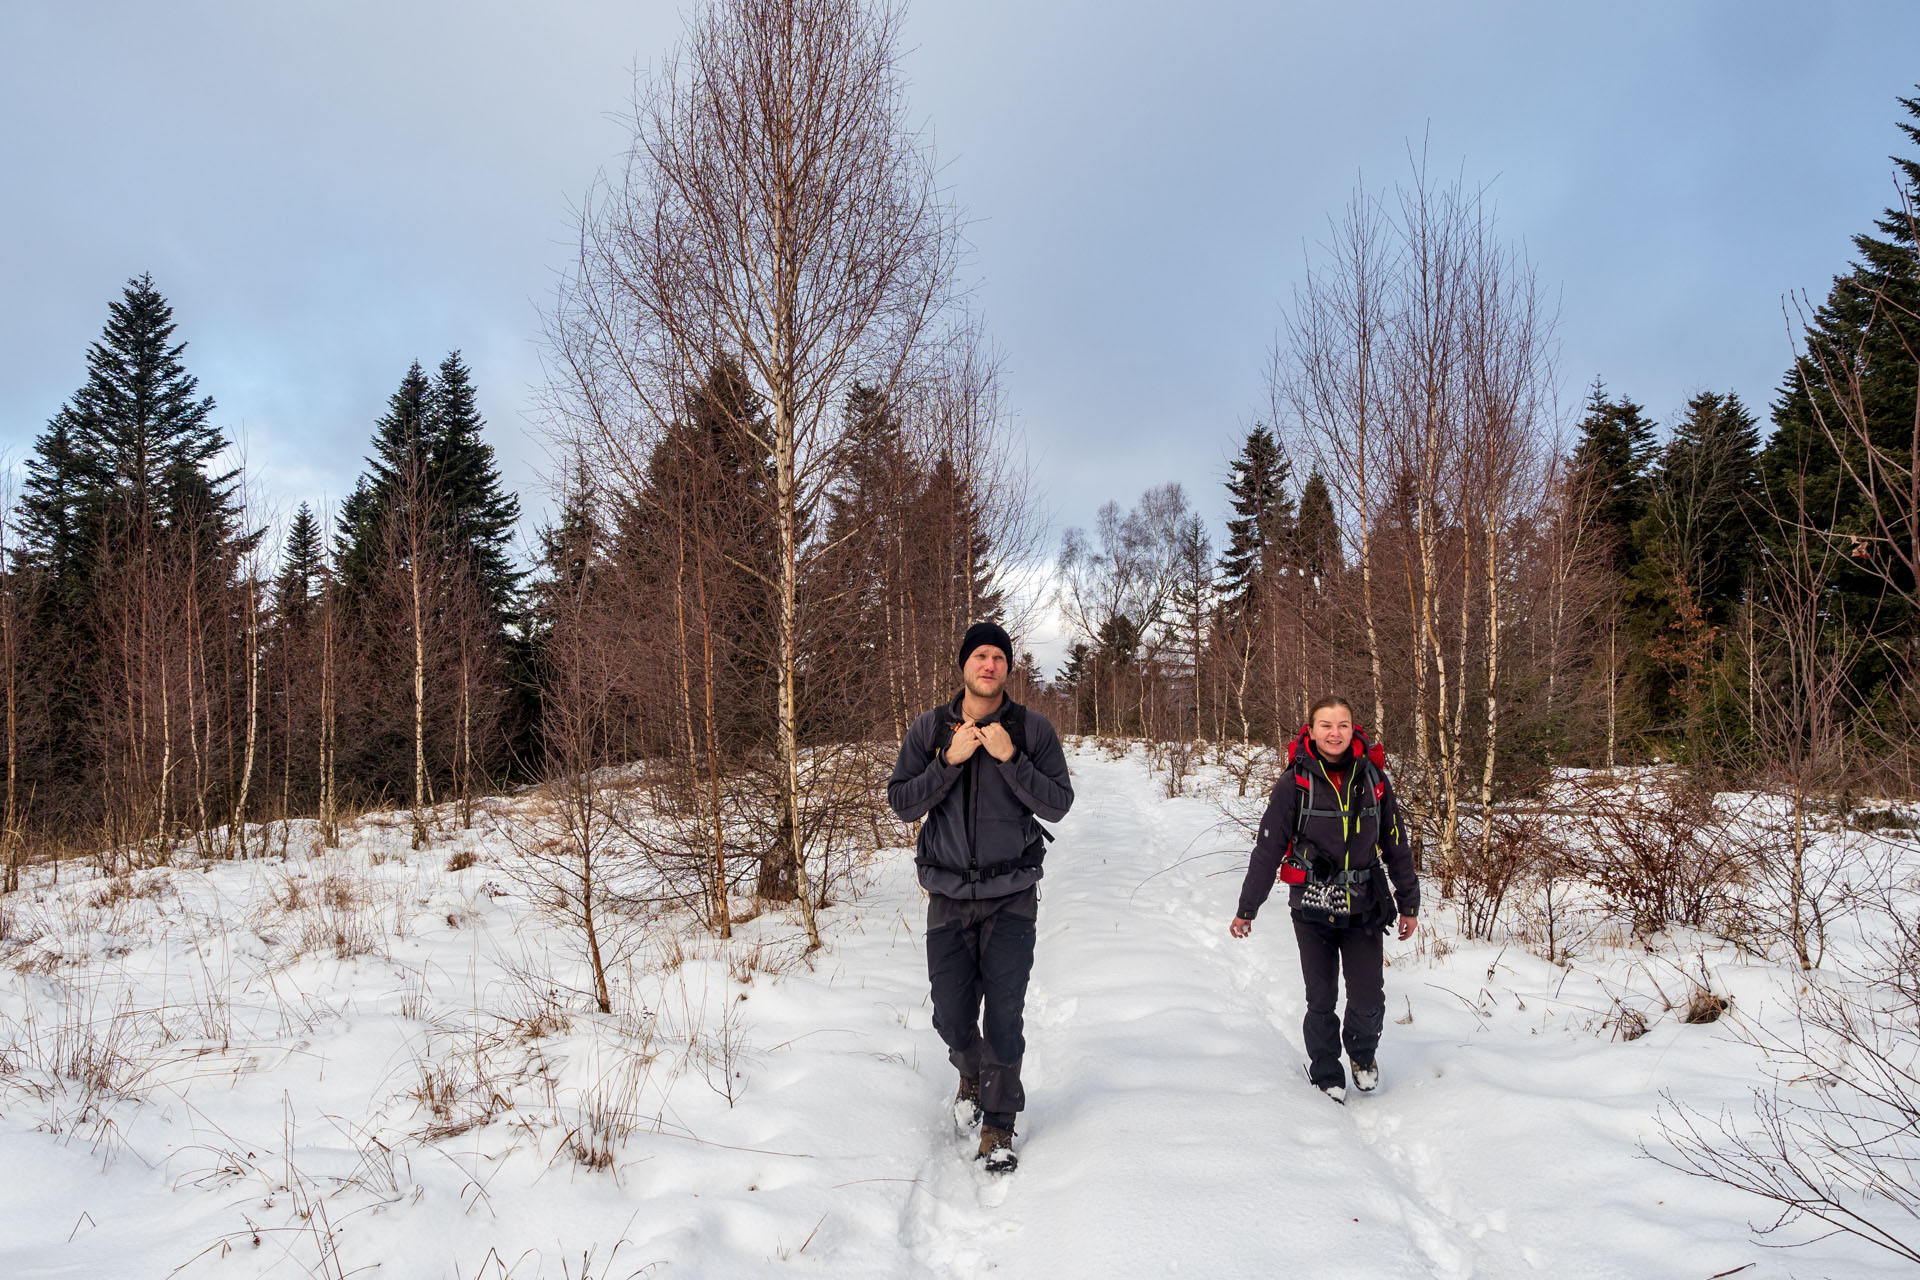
<point>778,204</point>
<point>302,562</point>
<point>1701,511</point>
<point>478,512</point>
<point>400,464</point>
<point>1262,516</point>
<point>126,489</point>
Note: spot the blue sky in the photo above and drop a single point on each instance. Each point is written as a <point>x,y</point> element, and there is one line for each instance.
<point>329,191</point>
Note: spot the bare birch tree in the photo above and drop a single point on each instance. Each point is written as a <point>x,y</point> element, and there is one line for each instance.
<point>776,208</point>
<point>1329,377</point>
<point>1415,372</point>
<point>1509,392</point>
<point>14,608</point>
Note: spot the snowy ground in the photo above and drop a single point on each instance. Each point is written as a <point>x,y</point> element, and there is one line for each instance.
<point>192,1080</point>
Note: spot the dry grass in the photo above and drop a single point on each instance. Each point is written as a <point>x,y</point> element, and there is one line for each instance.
<point>609,1112</point>
<point>337,913</point>
<point>126,887</point>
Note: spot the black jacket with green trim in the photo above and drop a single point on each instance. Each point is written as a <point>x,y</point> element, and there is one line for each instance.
<point>1376,839</point>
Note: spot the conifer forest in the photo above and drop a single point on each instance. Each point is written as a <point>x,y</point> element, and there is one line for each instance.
<point>1638,679</point>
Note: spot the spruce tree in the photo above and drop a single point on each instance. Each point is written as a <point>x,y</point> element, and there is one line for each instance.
<point>428,447</point>
<point>1263,514</point>
<point>479,514</point>
<point>1703,496</point>
<point>1075,668</point>
<point>301,567</point>
<point>1079,676</point>
<point>398,470</point>
<point>61,510</point>
<point>125,466</point>
<point>402,437</point>
<point>1613,458</point>
<point>953,529</point>
<point>61,516</point>
<point>707,495</point>
<point>125,474</point>
<point>1316,538</point>
<point>866,509</point>
<point>572,547</point>
<point>1867,332</point>
<point>128,454</point>
<point>869,541</point>
<point>569,544</point>
<point>711,467</point>
<point>1117,643</point>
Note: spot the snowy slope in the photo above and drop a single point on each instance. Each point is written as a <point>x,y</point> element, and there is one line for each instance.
<point>423,1109</point>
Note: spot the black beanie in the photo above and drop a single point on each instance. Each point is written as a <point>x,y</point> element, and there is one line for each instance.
<point>985,633</point>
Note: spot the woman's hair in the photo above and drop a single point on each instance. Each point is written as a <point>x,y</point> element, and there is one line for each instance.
<point>1325,703</point>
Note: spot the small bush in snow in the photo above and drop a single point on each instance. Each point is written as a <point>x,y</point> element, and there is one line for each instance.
<point>1882,820</point>
<point>1658,854</point>
<point>1705,1005</point>
<point>1627,1023</point>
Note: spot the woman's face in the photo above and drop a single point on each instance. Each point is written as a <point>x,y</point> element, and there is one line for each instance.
<point>1332,730</point>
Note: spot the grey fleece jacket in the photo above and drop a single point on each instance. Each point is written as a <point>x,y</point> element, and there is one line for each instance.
<point>983,811</point>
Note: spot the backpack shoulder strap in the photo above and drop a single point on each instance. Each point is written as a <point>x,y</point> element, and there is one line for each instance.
<point>1015,720</point>
<point>1371,759</point>
<point>1302,797</point>
<point>946,718</point>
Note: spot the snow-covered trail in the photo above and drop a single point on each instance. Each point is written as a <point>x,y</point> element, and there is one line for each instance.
<point>1162,1054</point>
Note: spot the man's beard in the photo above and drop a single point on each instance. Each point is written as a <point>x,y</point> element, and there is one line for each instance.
<point>978,692</point>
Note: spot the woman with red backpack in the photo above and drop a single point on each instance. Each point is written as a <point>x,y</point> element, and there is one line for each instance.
<point>1331,827</point>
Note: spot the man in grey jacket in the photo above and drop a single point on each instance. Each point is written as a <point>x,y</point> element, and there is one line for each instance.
<point>982,770</point>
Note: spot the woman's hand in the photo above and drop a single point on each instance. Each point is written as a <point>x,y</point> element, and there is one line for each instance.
<point>1240,927</point>
<point>1407,925</point>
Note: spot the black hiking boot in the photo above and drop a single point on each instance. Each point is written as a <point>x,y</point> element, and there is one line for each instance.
<point>966,1105</point>
<point>1366,1076</point>
<point>1338,1092</point>
<point>996,1149</point>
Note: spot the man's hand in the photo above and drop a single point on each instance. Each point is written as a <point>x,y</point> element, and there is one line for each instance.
<point>998,743</point>
<point>1407,925</point>
<point>1240,927</point>
<point>966,738</point>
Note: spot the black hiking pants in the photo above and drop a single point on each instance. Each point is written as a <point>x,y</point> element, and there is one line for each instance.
<point>981,951</point>
<point>1325,953</point>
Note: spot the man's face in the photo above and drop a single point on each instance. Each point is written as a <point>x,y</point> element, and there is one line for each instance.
<point>1332,730</point>
<point>985,672</point>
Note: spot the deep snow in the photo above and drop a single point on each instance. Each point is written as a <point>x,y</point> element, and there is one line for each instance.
<point>265,1109</point>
